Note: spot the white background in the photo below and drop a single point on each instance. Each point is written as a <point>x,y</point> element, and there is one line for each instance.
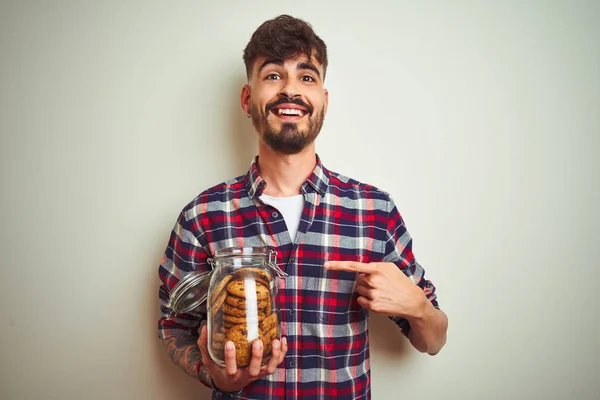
<point>480,118</point>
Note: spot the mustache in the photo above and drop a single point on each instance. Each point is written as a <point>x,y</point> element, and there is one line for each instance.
<point>287,100</point>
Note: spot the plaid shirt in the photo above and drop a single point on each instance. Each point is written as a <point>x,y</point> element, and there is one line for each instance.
<point>326,329</point>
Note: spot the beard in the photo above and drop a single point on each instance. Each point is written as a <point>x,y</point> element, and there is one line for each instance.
<point>289,139</point>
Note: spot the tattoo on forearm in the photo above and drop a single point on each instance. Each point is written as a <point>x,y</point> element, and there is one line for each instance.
<point>205,376</point>
<point>184,352</point>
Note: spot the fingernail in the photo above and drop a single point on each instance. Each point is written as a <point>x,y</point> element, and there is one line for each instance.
<point>258,345</point>
<point>276,345</point>
<point>327,264</point>
<point>229,345</point>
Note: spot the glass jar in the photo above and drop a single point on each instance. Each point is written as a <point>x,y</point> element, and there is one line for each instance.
<point>240,293</point>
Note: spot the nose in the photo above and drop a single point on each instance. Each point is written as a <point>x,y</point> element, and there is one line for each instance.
<point>289,90</point>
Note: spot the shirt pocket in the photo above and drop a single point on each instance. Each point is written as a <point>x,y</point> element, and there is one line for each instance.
<point>329,297</point>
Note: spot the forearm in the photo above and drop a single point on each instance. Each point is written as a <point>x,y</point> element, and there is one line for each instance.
<point>428,330</point>
<point>184,351</point>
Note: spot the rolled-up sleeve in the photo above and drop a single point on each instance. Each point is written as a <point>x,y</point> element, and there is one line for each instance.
<point>184,254</point>
<point>398,250</point>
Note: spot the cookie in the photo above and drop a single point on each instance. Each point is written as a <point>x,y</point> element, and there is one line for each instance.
<point>233,311</point>
<point>268,307</point>
<point>218,345</point>
<point>262,292</point>
<point>230,311</point>
<point>239,336</point>
<point>234,320</point>
<point>216,306</point>
<point>215,329</point>
<point>268,323</point>
<point>272,334</point>
<point>217,319</point>
<point>243,352</point>
<point>243,320</point>
<point>243,347</point>
<point>253,273</point>
<point>219,288</point>
<point>218,337</point>
<point>240,302</point>
<point>238,288</point>
<point>260,282</point>
<point>237,333</point>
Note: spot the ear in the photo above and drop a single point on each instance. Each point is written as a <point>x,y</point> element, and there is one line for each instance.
<point>326,102</point>
<point>245,97</point>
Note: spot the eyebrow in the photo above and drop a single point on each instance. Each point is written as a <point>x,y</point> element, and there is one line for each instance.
<point>310,66</point>
<point>276,61</point>
<point>303,65</point>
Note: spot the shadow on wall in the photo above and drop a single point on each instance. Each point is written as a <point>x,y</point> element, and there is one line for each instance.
<point>386,338</point>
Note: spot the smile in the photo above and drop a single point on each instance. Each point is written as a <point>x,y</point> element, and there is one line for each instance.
<point>290,112</point>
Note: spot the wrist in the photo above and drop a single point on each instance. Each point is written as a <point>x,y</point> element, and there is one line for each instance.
<point>206,378</point>
<point>203,375</point>
<point>223,388</point>
<point>421,312</point>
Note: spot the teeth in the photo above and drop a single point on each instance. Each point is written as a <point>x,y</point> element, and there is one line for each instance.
<point>290,111</point>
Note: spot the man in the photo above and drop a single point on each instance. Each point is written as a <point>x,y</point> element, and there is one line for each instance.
<point>343,244</point>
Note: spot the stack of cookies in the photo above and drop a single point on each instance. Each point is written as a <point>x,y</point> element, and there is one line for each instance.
<point>241,311</point>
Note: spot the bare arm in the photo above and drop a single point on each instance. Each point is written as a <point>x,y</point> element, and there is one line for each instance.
<point>184,351</point>
<point>383,288</point>
<point>428,329</point>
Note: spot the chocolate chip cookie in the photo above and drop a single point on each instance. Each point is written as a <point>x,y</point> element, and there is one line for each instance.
<point>243,344</point>
<point>258,273</point>
<point>233,311</point>
<point>268,323</point>
<point>219,288</point>
<point>259,317</point>
<point>216,305</point>
<point>237,288</point>
<point>240,302</point>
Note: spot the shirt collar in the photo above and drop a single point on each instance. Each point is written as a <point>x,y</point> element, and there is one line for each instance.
<point>318,180</point>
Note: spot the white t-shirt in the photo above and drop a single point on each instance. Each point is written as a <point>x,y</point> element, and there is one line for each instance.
<point>290,208</point>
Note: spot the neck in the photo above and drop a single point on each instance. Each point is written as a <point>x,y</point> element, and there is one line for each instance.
<point>285,173</point>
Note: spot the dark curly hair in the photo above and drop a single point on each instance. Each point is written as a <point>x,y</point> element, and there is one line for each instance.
<point>284,37</point>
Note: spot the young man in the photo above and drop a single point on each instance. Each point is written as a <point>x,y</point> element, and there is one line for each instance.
<point>342,243</point>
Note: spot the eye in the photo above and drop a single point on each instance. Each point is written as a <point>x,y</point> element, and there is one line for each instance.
<point>307,78</point>
<point>272,77</point>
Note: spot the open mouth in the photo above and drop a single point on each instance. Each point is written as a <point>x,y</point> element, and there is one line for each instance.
<point>289,111</point>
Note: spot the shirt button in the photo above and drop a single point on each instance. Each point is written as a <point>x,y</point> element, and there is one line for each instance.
<point>275,214</point>
<point>291,312</point>
<point>293,364</point>
<point>292,261</point>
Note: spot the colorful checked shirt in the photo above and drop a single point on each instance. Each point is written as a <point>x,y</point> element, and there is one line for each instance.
<point>326,329</point>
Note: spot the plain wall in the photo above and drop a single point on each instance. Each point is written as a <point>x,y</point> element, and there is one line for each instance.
<point>481,118</point>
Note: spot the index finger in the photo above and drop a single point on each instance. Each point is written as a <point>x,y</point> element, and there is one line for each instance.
<point>275,357</point>
<point>350,266</point>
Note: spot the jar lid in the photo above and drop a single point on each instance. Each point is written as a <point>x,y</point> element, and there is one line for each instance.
<point>190,292</point>
<point>267,253</point>
<point>244,251</point>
